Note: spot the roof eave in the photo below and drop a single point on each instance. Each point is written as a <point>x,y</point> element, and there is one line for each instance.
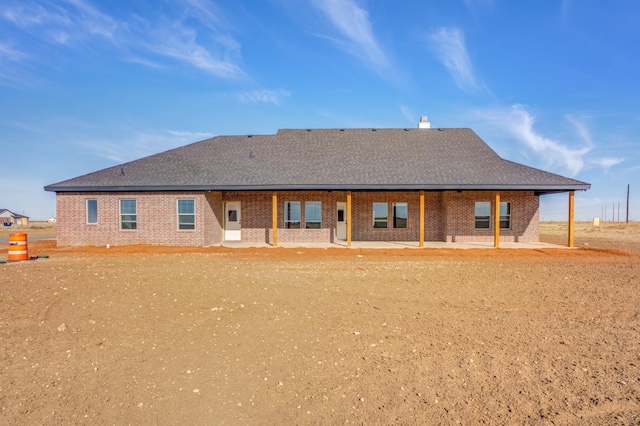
<point>539,189</point>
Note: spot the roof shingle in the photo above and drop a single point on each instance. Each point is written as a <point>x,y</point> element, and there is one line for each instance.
<point>380,159</point>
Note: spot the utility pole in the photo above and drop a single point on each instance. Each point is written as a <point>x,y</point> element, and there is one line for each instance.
<point>627,203</point>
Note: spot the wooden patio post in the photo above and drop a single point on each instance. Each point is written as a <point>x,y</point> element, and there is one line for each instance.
<point>496,221</point>
<point>274,218</point>
<point>421,244</point>
<point>570,232</point>
<point>348,218</point>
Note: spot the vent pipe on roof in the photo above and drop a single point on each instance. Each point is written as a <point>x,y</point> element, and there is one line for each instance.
<point>424,123</point>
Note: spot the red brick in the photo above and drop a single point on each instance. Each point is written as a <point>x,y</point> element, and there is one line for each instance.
<point>449,216</point>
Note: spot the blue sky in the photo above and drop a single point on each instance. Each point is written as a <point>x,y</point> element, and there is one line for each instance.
<point>87,84</point>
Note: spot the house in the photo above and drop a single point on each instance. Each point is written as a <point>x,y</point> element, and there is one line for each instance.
<point>312,185</point>
<point>9,218</point>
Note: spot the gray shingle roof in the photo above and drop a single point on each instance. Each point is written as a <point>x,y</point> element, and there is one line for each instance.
<point>12,214</point>
<point>355,159</point>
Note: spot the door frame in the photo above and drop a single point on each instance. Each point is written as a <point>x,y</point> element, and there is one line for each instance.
<point>230,234</point>
<point>341,226</point>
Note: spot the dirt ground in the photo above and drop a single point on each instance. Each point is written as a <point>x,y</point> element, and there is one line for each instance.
<point>609,235</point>
<point>157,335</point>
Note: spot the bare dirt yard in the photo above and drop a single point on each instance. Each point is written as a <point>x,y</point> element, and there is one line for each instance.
<point>157,335</point>
<point>609,235</point>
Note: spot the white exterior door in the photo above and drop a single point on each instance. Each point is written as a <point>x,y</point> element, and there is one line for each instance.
<point>341,224</point>
<point>232,228</point>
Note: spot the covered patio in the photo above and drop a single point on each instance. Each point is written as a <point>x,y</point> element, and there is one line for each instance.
<point>421,243</point>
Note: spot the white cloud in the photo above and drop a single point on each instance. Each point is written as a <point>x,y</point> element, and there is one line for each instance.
<point>472,4</point>
<point>518,121</point>
<point>25,15</point>
<point>450,48</point>
<point>140,144</point>
<point>134,59</point>
<point>607,163</point>
<point>10,54</point>
<point>176,39</point>
<point>408,113</point>
<point>207,12</point>
<point>353,23</point>
<point>58,24</point>
<point>12,68</point>
<point>76,23</point>
<point>93,21</point>
<point>180,43</point>
<point>189,137</point>
<point>274,97</point>
<point>582,129</point>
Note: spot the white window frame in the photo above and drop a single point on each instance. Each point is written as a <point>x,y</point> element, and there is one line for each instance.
<point>290,223</point>
<point>507,216</point>
<point>89,222</point>
<point>393,216</point>
<point>482,217</point>
<point>135,222</point>
<point>386,219</point>
<point>179,215</point>
<point>307,221</point>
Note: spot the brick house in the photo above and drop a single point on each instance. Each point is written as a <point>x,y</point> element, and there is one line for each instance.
<point>312,185</point>
<point>9,218</point>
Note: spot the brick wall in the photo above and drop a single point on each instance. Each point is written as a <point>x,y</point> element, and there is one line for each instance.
<point>257,222</point>
<point>459,214</point>
<point>362,216</point>
<point>449,216</point>
<point>255,214</point>
<point>156,219</point>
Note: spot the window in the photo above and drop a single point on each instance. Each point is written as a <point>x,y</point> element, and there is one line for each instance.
<point>186,214</point>
<point>128,215</point>
<point>483,215</point>
<point>312,214</point>
<point>505,215</point>
<point>400,215</point>
<point>92,211</point>
<point>380,215</point>
<point>292,214</point>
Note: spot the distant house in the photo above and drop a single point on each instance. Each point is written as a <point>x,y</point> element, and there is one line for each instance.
<point>311,185</point>
<point>9,217</point>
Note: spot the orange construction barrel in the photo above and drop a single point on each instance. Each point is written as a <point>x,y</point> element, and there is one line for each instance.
<point>18,249</point>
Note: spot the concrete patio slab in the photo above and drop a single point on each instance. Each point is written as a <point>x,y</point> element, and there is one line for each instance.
<point>399,245</point>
